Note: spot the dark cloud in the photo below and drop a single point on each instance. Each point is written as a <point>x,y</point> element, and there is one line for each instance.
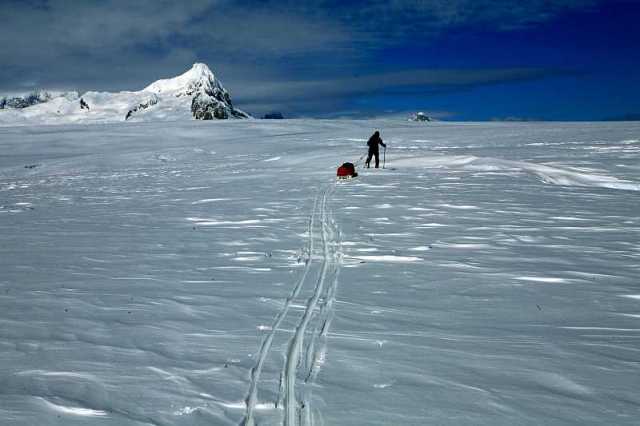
<point>390,21</point>
<point>90,28</point>
<point>389,81</point>
<point>267,52</point>
<point>329,94</point>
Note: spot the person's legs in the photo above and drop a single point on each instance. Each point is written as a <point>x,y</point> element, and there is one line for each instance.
<point>368,162</point>
<point>377,154</point>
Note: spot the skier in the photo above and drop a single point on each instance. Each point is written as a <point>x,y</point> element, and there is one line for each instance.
<point>374,150</point>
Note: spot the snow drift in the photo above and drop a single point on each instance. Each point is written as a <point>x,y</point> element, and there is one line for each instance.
<point>548,174</point>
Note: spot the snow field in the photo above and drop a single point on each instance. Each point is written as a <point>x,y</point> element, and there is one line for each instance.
<point>194,273</point>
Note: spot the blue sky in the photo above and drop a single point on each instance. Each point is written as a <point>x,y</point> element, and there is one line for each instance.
<point>456,59</point>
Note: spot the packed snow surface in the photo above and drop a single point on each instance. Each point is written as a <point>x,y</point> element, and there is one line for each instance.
<point>215,273</point>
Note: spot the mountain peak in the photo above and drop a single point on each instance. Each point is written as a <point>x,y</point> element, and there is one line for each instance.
<point>198,77</point>
<point>208,98</point>
<point>199,66</point>
<point>198,72</point>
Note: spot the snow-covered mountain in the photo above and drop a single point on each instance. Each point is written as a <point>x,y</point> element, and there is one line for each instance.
<point>208,98</point>
<point>33,98</point>
<point>195,94</point>
<point>420,116</point>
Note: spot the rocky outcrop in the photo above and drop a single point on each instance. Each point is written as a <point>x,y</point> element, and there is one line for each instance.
<point>33,98</point>
<point>420,116</point>
<point>209,105</point>
<point>19,102</point>
<point>153,99</point>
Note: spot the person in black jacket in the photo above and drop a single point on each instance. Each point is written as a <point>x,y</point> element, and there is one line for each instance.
<point>374,150</point>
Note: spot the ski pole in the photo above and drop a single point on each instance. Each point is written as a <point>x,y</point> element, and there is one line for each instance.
<point>384,157</point>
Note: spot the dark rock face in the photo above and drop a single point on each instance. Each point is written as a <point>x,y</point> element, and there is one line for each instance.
<point>214,104</point>
<point>209,99</point>
<point>19,102</point>
<point>142,105</point>
<point>273,116</point>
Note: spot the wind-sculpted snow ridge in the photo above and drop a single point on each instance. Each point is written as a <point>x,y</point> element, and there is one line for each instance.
<point>196,93</point>
<point>548,174</point>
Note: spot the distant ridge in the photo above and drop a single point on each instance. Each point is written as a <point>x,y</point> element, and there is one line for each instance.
<point>195,94</point>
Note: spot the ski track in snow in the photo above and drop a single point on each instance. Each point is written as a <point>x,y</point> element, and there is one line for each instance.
<point>266,345</point>
<point>296,412</point>
<point>297,405</point>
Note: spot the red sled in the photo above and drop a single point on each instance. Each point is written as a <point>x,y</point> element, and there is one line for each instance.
<point>347,171</point>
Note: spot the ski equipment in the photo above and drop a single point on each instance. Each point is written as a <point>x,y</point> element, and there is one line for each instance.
<point>347,171</point>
